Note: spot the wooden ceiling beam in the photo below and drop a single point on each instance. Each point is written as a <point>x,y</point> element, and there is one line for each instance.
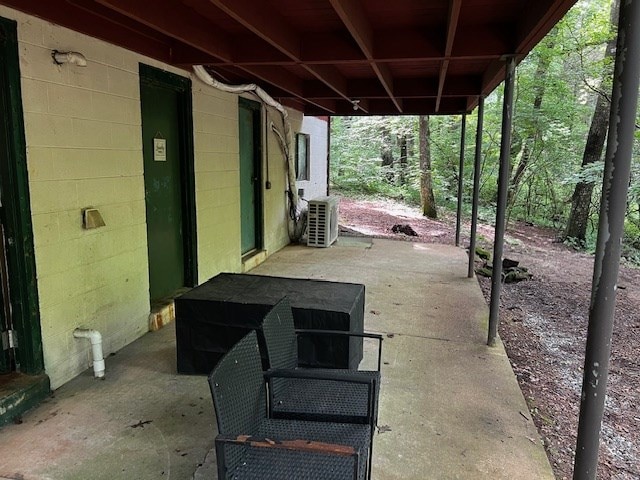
<point>494,74</point>
<point>97,26</point>
<point>423,106</point>
<point>175,21</point>
<point>287,82</point>
<point>354,19</point>
<point>452,25</point>
<point>405,88</point>
<point>264,22</point>
<point>94,9</point>
<point>274,29</point>
<point>407,46</point>
<point>537,20</point>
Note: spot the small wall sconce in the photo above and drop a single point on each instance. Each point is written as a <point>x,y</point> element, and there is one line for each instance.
<point>74,58</point>
<point>91,218</point>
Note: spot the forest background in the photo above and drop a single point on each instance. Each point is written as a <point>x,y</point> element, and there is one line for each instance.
<point>561,113</point>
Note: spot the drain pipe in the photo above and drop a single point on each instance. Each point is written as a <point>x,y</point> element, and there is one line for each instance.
<point>285,139</point>
<point>96,346</point>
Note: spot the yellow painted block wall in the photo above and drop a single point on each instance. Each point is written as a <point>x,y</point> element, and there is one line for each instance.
<point>82,128</point>
<point>215,124</point>
<point>83,135</point>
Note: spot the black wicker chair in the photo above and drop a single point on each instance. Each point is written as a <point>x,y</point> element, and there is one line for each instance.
<point>252,446</point>
<point>308,399</point>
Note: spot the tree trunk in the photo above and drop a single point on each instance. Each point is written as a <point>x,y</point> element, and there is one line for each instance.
<point>386,153</point>
<point>402,141</point>
<point>581,198</point>
<point>528,143</point>
<point>426,187</point>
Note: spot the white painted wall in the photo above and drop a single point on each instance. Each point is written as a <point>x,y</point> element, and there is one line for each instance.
<point>316,128</point>
<point>84,148</point>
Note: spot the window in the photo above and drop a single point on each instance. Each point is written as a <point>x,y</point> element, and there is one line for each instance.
<point>302,156</point>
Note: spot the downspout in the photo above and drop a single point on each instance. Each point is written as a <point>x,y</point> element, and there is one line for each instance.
<point>285,140</point>
<point>96,348</point>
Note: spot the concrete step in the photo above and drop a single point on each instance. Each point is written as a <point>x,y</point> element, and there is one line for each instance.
<point>19,393</point>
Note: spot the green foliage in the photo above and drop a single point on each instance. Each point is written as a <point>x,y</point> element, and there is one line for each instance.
<point>557,86</point>
<point>356,166</point>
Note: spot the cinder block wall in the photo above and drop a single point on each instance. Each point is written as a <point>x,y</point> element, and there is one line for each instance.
<point>215,125</point>
<point>84,148</point>
<point>82,128</point>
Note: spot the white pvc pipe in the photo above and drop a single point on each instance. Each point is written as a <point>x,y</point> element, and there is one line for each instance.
<point>96,346</point>
<point>74,58</point>
<point>285,140</point>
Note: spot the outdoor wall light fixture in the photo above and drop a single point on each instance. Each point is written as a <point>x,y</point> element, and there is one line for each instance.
<point>74,58</point>
<point>356,104</point>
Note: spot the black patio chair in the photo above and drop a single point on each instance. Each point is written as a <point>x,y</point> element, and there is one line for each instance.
<point>314,399</point>
<point>251,446</point>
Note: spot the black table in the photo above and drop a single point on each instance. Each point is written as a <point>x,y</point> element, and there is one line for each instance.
<point>212,317</point>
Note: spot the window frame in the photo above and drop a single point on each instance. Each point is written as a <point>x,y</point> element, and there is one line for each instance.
<point>303,174</point>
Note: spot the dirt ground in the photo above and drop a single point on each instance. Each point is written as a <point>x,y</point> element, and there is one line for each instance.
<point>543,324</point>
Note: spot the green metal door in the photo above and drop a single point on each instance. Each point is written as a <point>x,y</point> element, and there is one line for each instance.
<point>20,338</point>
<point>5,309</point>
<point>163,190</point>
<point>250,178</point>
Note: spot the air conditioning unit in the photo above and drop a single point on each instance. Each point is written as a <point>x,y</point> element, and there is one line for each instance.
<point>323,221</point>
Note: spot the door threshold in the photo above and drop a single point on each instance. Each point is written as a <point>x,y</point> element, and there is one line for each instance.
<point>20,393</point>
<point>252,259</point>
<point>163,310</point>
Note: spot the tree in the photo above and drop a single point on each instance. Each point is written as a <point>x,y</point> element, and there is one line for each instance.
<point>402,173</point>
<point>528,144</point>
<point>426,184</point>
<point>386,152</point>
<point>578,221</point>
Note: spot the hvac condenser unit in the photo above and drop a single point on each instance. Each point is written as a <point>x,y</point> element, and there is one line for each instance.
<point>323,221</point>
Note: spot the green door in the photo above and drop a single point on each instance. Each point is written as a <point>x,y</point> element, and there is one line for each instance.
<point>167,184</point>
<point>250,176</point>
<point>20,350</point>
<point>5,309</point>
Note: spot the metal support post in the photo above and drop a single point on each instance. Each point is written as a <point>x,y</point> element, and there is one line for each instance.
<point>476,187</point>
<point>503,183</point>
<point>624,101</point>
<point>460,178</point>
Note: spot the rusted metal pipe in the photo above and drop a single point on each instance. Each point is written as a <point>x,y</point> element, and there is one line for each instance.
<point>476,187</point>
<point>501,211</point>
<point>460,178</point>
<point>624,101</point>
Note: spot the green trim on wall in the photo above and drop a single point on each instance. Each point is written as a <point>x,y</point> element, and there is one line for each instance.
<point>157,77</point>
<point>22,267</point>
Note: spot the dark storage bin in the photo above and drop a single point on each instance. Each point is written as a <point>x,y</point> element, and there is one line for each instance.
<point>212,317</point>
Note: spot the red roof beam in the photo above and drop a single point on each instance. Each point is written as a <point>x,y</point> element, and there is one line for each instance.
<point>271,27</point>
<point>452,25</point>
<point>353,17</point>
<point>176,21</point>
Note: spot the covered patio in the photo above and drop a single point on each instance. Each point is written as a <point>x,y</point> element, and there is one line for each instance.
<point>449,401</point>
<point>450,405</point>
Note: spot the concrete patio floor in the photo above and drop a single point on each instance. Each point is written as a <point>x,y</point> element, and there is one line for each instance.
<point>450,407</point>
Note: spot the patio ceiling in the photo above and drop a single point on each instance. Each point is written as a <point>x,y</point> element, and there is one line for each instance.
<point>324,57</point>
